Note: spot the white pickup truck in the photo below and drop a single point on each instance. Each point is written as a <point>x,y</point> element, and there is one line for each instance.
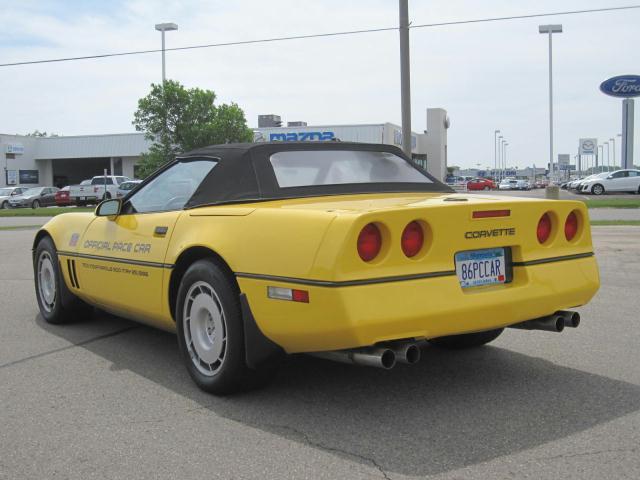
<point>95,190</point>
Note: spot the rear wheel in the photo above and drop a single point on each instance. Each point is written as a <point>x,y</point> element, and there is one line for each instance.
<point>50,285</point>
<point>466,340</point>
<point>5,205</point>
<point>211,332</point>
<point>486,188</point>
<point>35,204</point>
<point>597,189</point>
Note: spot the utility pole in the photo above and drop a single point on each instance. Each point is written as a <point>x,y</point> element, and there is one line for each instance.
<point>405,77</point>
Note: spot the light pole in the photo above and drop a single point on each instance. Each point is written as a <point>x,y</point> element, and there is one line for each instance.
<point>165,27</point>
<point>621,162</point>
<point>550,30</point>
<point>405,77</point>
<point>608,157</point>
<point>601,155</point>
<point>500,157</point>
<point>495,152</point>
<point>613,147</point>
<point>504,154</point>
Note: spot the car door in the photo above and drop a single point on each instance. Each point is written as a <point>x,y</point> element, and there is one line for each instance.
<point>634,181</point>
<point>123,256</point>
<point>616,181</point>
<point>50,197</point>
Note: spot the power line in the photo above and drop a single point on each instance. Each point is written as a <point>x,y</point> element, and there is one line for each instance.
<point>320,35</point>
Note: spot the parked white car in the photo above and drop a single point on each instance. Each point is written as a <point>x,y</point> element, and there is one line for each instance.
<point>508,184</point>
<point>126,187</point>
<point>618,181</point>
<point>97,189</point>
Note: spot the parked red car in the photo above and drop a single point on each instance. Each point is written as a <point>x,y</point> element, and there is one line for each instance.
<point>62,197</point>
<point>481,184</point>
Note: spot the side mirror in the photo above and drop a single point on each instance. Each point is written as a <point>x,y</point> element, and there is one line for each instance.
<point>109,208</point>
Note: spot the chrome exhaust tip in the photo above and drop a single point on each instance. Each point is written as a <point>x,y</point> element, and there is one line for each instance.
<point>378,357</point>
<point>408,353</point>
<point>571,319</point>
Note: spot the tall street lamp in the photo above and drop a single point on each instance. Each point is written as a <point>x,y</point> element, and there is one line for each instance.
<point>165,27</point>
<point>495,151</point>
<point>613,147</point>
<point>550,30</point>
<point>601,155</point>
<point>504,154</point>
<point>621,162</point>
<point>608,157</point>
<point>500,156</point>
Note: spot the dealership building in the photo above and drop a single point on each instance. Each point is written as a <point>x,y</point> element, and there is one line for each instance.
<point>429,148</point>
<point>60,161</point>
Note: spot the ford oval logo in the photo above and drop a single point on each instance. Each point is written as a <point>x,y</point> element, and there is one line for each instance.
<point>622,86</point>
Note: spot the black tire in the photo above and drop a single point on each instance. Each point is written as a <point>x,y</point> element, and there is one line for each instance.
<point>597,189</point>
<point>206,283</point>
<point>106,196</point>
<point>5,205</point>
<point>80,204</point>
<point>56,311</point>
<point>466,340</point>
<point>35,204</point>
<point>486,188</point>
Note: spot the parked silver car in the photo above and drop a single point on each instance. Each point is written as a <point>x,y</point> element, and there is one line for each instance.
<point>35,197</point>
<point>125,187</point>
<point>9,192</point>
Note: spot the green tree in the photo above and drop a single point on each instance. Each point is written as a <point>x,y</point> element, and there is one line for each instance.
<point>177,119</point>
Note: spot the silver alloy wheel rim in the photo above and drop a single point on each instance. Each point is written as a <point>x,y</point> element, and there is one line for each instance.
<point>598,189</point>
<point>46,281</point>
<point>204,328</point>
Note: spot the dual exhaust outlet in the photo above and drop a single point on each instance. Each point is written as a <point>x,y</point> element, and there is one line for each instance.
<point>552,323</point>
<point>385,356</point>
<point>408,352</point>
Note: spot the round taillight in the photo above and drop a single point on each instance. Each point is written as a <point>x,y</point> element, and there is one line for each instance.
<point>369,242</point>
<point>544,228</point>
<point>571,226</point>
<point>412,239</point>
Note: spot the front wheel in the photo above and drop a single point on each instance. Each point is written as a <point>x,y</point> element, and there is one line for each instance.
<point>35,204</point>
<point>50,286</point>
<point>211,333</point>
<point>466,340</point>
<point>597,189</point>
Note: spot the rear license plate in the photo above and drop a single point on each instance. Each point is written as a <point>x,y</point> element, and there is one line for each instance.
<point>481,267</point>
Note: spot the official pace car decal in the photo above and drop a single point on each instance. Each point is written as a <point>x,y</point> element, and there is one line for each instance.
<point>102,245</point>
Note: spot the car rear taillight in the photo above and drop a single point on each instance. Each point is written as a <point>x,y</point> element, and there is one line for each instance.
<point>544,228</point>
<point>412,239</point>
<point>571,226</point>
<point>369,242</point>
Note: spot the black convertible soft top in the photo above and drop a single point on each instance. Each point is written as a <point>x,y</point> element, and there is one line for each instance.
<point>245,174</point>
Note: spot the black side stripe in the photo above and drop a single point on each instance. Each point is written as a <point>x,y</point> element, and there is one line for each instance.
<point>73,281</point>
<point>75,275</point>
<point>553,259</point>
<point>399,278</point>
<point>346,283</point>
<point>116,259</point>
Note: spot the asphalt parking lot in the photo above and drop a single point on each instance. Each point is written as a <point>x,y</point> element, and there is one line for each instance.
<point>108,398</point>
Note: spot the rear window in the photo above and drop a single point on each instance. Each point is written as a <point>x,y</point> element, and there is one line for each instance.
<point>100,181</point>
<point>337,167</point>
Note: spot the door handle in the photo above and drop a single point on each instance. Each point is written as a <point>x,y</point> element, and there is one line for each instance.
<point>160,231</point>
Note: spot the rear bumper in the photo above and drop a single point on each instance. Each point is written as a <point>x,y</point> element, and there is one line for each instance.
<point>361,315</point>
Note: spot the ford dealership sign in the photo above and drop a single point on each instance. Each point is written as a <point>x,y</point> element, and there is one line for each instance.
<point>622,86</point>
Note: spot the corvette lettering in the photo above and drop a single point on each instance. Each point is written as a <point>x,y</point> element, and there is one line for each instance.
<point>496,232</point>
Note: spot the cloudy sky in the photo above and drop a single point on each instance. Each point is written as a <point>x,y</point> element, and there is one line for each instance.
<point>487,76</point>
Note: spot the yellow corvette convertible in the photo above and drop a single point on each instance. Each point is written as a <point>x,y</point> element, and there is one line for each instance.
<point>346,251</point>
